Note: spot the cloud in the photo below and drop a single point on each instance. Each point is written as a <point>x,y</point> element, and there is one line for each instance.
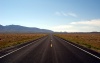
<point>72,14</point>
<point>80,26</point>
<point>63,28</point>
<point>95,22</point>
<point>58,13</point>
<point>66,14</point>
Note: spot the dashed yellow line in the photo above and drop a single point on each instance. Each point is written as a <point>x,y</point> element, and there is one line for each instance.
<point>51,45</point>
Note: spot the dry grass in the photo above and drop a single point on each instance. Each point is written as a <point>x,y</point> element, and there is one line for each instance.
<point>90,40</point>
<point>8,40</point>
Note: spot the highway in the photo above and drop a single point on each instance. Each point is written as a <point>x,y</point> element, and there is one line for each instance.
<point>49,49</point>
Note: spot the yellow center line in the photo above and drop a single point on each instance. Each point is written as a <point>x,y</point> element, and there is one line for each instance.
<point>51,45</point>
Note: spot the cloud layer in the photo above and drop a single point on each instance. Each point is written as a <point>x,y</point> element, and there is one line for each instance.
<point>95,22</point>
<point>80,26</point>
<point>66,14</point>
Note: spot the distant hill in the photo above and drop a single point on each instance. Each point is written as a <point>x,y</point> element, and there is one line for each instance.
<point>22,29</point>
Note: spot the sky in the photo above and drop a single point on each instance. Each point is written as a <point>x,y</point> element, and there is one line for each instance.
<point>56,15</point>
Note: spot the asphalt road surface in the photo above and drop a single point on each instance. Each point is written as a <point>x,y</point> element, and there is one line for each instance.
<point>49,49</point>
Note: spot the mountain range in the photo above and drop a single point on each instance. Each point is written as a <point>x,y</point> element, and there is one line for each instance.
<point>22,29</point>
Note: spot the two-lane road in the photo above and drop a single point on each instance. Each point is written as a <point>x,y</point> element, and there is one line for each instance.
<point>49,49</point>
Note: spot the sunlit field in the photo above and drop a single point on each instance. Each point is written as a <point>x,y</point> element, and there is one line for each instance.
<point>8,40</point>
<point>89,40</point>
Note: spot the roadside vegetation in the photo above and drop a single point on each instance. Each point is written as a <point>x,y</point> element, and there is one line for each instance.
<point>89,40</point>
<point>8,40</point>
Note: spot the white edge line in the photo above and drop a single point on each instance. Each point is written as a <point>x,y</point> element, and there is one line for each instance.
<point>16,50</point>
<point>83,50</point>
